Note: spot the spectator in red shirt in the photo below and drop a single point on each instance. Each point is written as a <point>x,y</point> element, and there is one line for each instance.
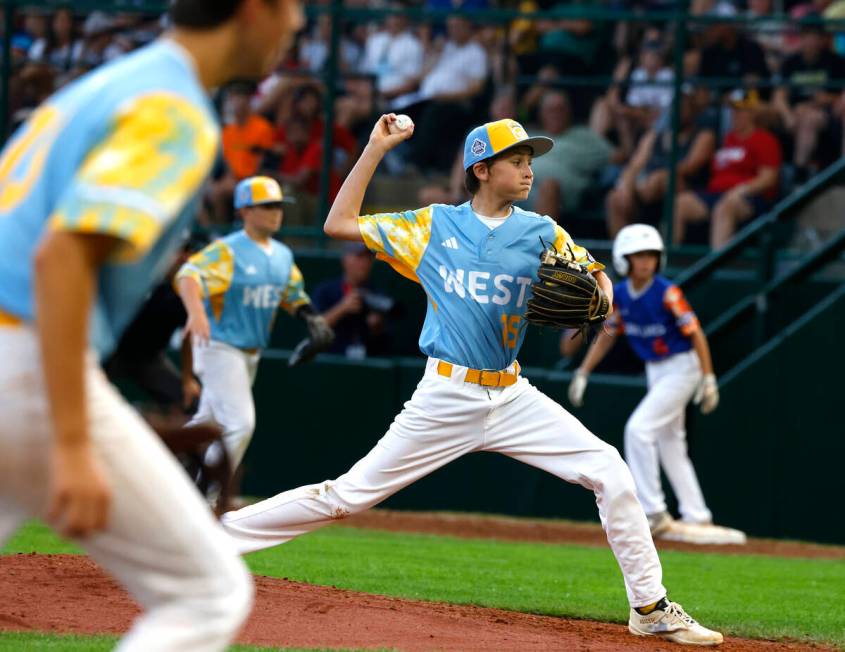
<point>301,162</point>
<point>307,105</point>
<point>743,176</point>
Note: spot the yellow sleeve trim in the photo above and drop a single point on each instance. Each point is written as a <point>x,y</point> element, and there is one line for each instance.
<point>137,230</point>
<point>212,267</point>
<point>295,296</point>
<point>400,239</point>
<point>189,271</point>
<point>143,173</point>
<point>563,242</point>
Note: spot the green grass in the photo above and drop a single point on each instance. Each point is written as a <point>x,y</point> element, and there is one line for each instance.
<point>38,642</point>
<point>744,595</point>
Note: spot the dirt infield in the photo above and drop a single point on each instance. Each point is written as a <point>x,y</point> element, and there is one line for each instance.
<point>516,529</point>
<point>67,593</point>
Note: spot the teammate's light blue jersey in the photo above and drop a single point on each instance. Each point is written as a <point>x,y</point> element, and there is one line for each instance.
<point>658,322</point>
<point>243,286</point>
<point>477,279</point>
<point>120,152</point>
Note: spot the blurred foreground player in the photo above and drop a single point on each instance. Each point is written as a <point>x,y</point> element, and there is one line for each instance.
<point>477,263</point>
<point>664,332</point>
<point>95,190</point>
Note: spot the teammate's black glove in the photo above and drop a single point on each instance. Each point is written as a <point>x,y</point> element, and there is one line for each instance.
<point>320,336</point>
<point>319,331</point>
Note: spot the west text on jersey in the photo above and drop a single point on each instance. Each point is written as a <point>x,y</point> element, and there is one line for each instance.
<point>483,287</point>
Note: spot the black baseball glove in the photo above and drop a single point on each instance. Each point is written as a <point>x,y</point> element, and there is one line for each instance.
<point>320,336</point>
<point>566,294</point>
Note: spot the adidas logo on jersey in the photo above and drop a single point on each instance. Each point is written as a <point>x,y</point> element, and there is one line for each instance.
<point>251,269</point>
<point>450,243</point>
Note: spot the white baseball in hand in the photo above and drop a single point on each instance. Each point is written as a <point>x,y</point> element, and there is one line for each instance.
<point>402,123</point>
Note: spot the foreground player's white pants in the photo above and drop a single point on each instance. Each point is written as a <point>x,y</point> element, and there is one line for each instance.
<point>161,542</point>
<point>227,375</point>
<point>447,418</point>
<point>655,435</point>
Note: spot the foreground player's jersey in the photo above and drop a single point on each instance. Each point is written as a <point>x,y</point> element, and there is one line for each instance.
<point>477,279</point>
<point>243,286</point>
<point>658,322</point>
<point>120,152</point>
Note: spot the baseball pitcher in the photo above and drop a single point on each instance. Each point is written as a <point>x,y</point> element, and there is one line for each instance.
<point>480,266</point>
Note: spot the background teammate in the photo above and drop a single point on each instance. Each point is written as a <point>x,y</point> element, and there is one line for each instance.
<point>232,290</point>
<point>95,190</point>
<point>475,262</point>
<point>664,332</point>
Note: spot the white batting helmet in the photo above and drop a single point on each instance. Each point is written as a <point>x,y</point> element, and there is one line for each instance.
<point>633,239</point>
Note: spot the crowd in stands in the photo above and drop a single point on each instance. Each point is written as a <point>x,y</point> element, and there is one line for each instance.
<point>761,106</point>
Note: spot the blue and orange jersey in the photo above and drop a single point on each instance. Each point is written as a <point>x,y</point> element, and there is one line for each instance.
<point>658,322</point>
<point>478,279</point>
<point>120,152</point>
<point>243,285</point>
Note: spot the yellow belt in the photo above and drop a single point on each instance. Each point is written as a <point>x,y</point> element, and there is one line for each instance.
<point>9,320</point>
<point>482,377</point>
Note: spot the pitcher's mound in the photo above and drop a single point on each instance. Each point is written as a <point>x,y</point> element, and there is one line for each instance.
<point>70,594</point>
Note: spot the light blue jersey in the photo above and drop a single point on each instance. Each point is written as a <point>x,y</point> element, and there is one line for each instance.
<point>477,279</point>
<point>121,152</point>
<point>243,285</point>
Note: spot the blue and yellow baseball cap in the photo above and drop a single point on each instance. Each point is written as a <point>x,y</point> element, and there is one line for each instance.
<point>496,137</point>
<point>255,191</point>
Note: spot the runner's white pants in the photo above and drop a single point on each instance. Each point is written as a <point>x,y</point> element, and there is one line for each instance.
<point>445,419</point>
<point>655,435</point>
<point>227,374</point>
<point>161,542</point>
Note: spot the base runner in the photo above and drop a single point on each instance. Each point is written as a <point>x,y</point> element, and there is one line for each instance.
<point>664,332</point>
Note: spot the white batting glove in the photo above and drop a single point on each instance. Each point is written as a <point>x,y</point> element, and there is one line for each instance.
<point>577,388</point>
<point>707,394</point>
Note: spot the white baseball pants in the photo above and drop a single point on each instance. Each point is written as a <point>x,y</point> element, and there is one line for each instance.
<point>227,374</point>
<point>161,542</point>
<point>447,418</point>
<point>655,435</point>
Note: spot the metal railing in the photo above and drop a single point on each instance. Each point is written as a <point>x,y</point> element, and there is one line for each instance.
<point>757,307</point>
<point>760,232</point>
